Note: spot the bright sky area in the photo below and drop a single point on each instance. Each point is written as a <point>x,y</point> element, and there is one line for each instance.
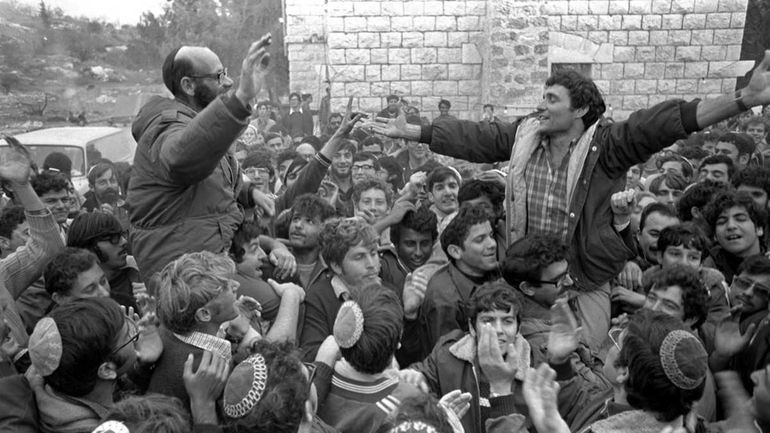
<point>115,11</point>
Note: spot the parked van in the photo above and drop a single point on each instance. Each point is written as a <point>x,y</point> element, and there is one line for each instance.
<point>84,145</point>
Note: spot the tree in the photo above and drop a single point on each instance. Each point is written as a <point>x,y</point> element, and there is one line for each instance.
<point>151,29</point>
<point>45,15</point>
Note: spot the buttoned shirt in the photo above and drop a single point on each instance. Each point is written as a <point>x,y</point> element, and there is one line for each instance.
<point>547,211</point>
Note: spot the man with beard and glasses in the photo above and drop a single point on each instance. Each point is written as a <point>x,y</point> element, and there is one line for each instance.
<point>187,188</point>
<point>104,193</point>
<point>102,234</point>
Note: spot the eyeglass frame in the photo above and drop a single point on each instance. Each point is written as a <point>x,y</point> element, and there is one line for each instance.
<point>131,340</point>
<point>763,288</point>
<point>362,167</point>
<point>558,281</point>
<point>220,76</point>
<point>113,238</point>
<point>618,330</point>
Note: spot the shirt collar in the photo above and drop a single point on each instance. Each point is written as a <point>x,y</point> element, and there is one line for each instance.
<point>340,288</point>
<point>208,342</point>
<point>295,110</point>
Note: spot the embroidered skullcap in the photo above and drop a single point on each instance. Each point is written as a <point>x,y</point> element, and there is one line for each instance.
<point>349,324</point>
<point>684,359</point>
<point>111,427</point>
<point>245,386</point>
<point>45,347</point>
<point>413,427</point>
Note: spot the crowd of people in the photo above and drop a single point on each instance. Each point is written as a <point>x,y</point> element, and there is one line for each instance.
<point>561,273</point>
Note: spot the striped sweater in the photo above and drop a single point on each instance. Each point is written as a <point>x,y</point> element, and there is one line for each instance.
<point>361,407</point>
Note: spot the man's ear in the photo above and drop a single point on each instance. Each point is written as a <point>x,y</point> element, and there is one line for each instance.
<point>760,231</point>
<point>107,371</point>
<point>187,85</point>
<point>580,112</point>
<point>203,315</point>
<point>526,288</point>
<point>743,159</point>
<point>337,269</point>
<point>622,374</point>
<point>59,298</point>
<point>696,213</point>
<point>454,252</point>
<point>430,197</point>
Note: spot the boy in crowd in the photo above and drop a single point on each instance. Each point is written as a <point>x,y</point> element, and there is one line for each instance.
<point>443,185</point>
<point>102,234</point>
<point>738,227</point>
<point>368,331</point>
<point>738,147</point>
<point>756,182</point>
<point>490,196</point>
<point>668,188</point>
<point>469,243</point>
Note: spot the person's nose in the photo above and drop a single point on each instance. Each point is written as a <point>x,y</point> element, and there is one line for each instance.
<point>227,82</point>
<point>498,326</point>
<point>103,291</point>
<point>541,105</point>
<point>261,255</point>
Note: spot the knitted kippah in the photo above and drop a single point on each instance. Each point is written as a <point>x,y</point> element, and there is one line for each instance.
<point>684,359</point>
<point>413,427</point>
<point>245,386</point>
<point>111,427</point>
<point>45,347</point>
<point>349,324</point>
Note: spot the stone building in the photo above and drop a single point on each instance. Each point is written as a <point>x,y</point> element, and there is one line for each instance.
<point>473,52</point>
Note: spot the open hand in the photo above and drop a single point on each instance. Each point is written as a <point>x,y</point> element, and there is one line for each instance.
<point>395,128</point>
<point>540,392</point>
<point>414,378</point>
<point>15,161</point>
<point>415,285</point>
<point>205,384</point>
<point>253,70</point>
<point>149,346</point>
<point>564,336</point>
<point>758,90</point>
<point>728,339</point>
<point>348,121</point>
<point>457,401</point>
<point>500,372</point>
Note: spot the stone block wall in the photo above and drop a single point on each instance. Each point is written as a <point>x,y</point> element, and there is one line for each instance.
<point>473,52</point>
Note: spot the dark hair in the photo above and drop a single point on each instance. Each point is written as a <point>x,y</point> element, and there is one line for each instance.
<point>174,70</point>
<point>754,120</point>
<point>391,97</point>
<point>89,329</point>
<point>492,296</point>
<point>391,165</point>
<point>348,144</point>
<point>422,220</point>
<point>695,297</point>
<point>526,258</point>
<point>489,106</point>
<point>151,413</point>
<point>582,93</point>
<point>312,140</point>
<point>743,142</point>
<point>755,265</point>
<point>440,174</point>
<point>758,177</point>
<point>422,408</point>
<point>293,94</point>
<point>311,206</point>
<point>719,159</point>
<point>61,272</point>
<point>89,228</point>
<point>383,323</point>
<point>246,232</point>
<point>282,405</point>
<point>296,167</point>
<point>372,183</point>
<point>367,156</point>
<point>458,229</point>
<point>50,181</point>
<point>99,169</point>
<point>686,165</point>
<point>57,161</point>
<point>647,386</point>
<point>10,218</point>
<point>476,188</point>
<point>445,102</point>
<point>672,180</point>
<point>691,153</point>
<point>260,158</point>
<point>263,103</point>
<point>335,115</point>
<point>685,234</point>
<point>727,199</point>
<point>697,195</point>
<point>372,141</point>
<point>656,207</point>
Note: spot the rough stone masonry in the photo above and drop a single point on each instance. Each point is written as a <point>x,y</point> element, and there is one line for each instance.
<point>473,52</point>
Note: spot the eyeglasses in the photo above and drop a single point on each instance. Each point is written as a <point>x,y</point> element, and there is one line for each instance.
<point>564,280</point>
<point>363,167</point>
<point>614,335</point>
<point>311,370</point>
<point>744,284</point>
<point>131,340</point>
<point>220,76</point>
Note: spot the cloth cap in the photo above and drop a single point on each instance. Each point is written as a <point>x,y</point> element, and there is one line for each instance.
<point>45,347</point>
<point>349,324</point>
<point>413,427</point>
<point>684,360</point>
<point>58,161</point>
<point>245,386</point>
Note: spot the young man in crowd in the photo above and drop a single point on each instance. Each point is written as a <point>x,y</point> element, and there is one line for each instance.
<point>443,185</point>
<point>415,155</point>
<point>756,182</point>
<point>738,147</point>
<point>469,242</point>
<point>75,273</point>
<point>717,168</point>
<point>392,109</point>
<point>14,229</point>
<point>412,243</point>
<point>102,234</point>
<point>693,202</point>
<point>340,175</point>
<point>739,229</point>
<point>675,164</point>
<point>78,352</point>
<point>263,122</point>
<point>443,108</point>
<point>756,128</point>
<point>365,166</point>
<point>361,395</point>
<point>490,196</point>
<point>104,192</point>
<point>308,215</point>
<point>743,342</point>
<point>298,121</point>
<point>668,188</point>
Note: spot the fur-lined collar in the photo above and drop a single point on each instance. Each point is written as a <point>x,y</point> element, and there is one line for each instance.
<point>465,349</point>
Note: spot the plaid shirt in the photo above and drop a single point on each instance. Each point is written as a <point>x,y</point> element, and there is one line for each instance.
<point>547,211</point>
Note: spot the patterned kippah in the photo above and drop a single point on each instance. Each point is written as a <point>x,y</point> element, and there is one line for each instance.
<point>45,347</point>
<point>245,386</point>
<point>684,359</point>
<point>413,427</point>
<point>111,427</point>
<point>349,324</point>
